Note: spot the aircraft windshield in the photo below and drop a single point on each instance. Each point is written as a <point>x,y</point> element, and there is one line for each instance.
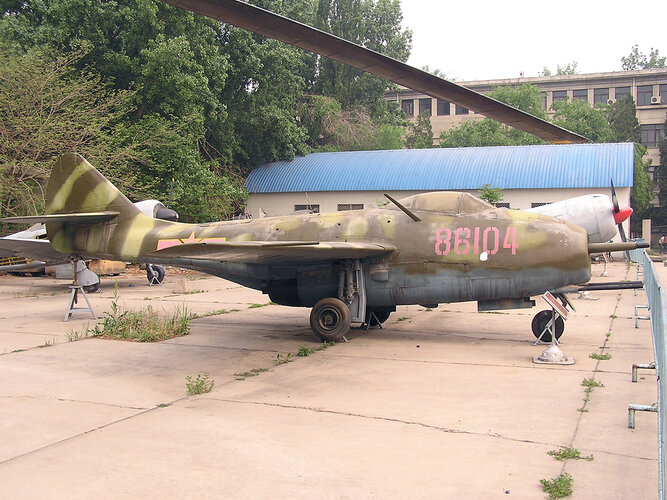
<point>444,201</point>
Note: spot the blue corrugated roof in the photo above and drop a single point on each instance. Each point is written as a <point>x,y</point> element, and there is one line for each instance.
<point>506,167</point>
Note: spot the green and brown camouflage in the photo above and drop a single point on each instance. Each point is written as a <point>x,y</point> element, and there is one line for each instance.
<point>461,249</point>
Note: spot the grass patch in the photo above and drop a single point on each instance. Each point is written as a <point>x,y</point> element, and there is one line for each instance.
<point>558,487</point>
<point>601,357</point>
<point>590,384</point>
<point>613,316</point>
<point>48,343</point>
<point>145,325</point>
<point>401,319</point>
<point>255,306</point>
<point>200,385</point>
<point>567,453</point>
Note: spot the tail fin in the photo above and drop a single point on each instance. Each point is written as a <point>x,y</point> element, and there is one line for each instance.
<point>76,186</point>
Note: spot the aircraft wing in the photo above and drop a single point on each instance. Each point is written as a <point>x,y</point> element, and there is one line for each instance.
<point>276,252</point>
<point>40,250</point>
<point>272,25</point>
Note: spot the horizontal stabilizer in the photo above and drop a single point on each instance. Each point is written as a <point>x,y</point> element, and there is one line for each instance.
<point>82,218</point>
<point>282,252</point>
<point>31,249</point>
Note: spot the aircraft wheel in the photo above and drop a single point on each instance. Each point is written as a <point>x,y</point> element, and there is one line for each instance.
<point>540,321</point>
<point>381,315</point>
<point>155,274</point>
<point>330,319</point>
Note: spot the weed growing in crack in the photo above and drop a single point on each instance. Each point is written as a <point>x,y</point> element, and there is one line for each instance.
<point>568,453</point>
<point>558,487</point>
<point>200,385</point>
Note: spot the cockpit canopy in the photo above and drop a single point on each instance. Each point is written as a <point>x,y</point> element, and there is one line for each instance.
<point>450,202</point>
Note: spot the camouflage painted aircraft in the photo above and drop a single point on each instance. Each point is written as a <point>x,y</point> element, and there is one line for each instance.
<point>350,267</point>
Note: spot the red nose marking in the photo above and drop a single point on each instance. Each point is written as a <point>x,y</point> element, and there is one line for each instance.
<point>622,214</point>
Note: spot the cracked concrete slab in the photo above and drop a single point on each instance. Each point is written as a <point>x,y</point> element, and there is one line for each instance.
<point>441,403</point>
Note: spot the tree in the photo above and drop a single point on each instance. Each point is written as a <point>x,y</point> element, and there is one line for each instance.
<point>638,60</point>
<point>578,116</point>
<point>330,128</point>
<point>489,194</point>
<point>569,69</point>
<point>622,116</point>
<point>487,132</point>
<point>420,133</point>
<point>374,24</point>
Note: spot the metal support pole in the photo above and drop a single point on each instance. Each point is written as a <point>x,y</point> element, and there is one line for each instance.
<point>649,366</point>
<point>637,317</point>
<point>633,408</point>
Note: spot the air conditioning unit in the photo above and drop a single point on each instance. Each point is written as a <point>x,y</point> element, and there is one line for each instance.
<point>611,101</point>
<point>656,99</point>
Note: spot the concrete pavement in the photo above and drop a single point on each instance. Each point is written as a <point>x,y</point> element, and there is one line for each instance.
<point>442,403</point>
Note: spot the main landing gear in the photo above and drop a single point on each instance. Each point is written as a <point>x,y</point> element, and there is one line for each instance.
<point>331,317</point>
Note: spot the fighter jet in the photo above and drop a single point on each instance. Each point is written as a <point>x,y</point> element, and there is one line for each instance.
<point>349,267</point>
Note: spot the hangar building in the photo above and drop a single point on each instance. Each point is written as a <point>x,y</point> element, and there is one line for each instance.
<point>528,175</point>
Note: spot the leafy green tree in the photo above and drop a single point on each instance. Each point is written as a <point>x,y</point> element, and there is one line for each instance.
<point>330,128</point>
<point>638,60</point>
<point>489,194</point>
<point>622,116</point>
<point>374,24</point>
<point>578,116</point>
<point>487,132</point>
<point>420,133</point>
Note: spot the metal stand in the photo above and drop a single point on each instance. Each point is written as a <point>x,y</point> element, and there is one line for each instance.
<point>372,317</point>
<point>73,297</point>
<point>552,355</point>
<point>550,328</point>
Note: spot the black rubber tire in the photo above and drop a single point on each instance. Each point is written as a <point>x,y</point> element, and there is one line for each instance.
<point>330,319</point>
<point>541,319</point>
<point>381,315</point>
<point>155,274</point>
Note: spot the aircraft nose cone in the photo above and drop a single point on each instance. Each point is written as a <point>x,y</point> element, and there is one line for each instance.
<point>622,214</point>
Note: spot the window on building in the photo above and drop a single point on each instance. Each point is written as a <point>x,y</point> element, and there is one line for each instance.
<point>425,106</point>
<point>581,94</point>
<point>350,206</point>
<point>621,92</point>
<point>311,208</point>
<point>559,95</point>
<point>443,107</point>
<point>544,100</point>
<point>663,93</point>
<point>539,204</point>
<point>600,96</point>
<point>502,204</point>
<point>652,135</point>
<point>644,94</point>
<point>408,107</point>
<point>460,110</point>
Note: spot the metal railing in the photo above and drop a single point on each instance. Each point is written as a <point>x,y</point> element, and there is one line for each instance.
<point>657,306</point>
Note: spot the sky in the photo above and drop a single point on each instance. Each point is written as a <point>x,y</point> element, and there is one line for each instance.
<point>485,40</point>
